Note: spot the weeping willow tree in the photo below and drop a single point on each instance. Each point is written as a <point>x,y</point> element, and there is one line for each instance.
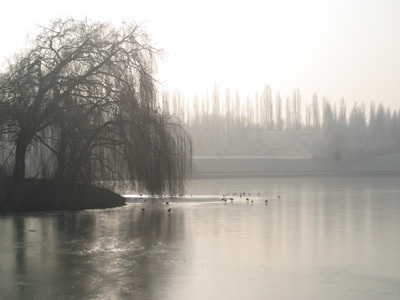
<point>80,106</point>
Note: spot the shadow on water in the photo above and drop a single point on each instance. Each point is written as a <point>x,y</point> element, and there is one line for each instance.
<point>105,254</point>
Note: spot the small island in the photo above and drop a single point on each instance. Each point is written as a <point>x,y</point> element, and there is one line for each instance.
<point>47,195</point>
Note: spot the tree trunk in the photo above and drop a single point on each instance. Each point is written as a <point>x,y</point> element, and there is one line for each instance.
<point>19,167</point>
<point>61,161</point>
<point>60,170</point>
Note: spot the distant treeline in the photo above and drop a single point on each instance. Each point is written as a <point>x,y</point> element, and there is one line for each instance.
<point>339,125</point>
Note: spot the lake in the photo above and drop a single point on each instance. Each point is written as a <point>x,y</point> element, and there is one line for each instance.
<point>323,238</point>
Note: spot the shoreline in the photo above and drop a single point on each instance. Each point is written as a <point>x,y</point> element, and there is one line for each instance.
<point>295,174</point>
<point>257,166</point>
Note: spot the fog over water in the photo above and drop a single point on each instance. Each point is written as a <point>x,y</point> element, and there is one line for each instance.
<point>324,238</point>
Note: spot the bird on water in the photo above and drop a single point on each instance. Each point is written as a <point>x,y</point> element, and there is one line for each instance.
<point>169,209</point>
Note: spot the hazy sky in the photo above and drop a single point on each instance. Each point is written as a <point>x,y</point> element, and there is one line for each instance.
<point>348,48</point>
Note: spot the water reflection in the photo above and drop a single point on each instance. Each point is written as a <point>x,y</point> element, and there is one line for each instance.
<point>92,254</point>
<point>325,238</point>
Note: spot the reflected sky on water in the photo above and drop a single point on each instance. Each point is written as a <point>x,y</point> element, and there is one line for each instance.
<point>325,238</point>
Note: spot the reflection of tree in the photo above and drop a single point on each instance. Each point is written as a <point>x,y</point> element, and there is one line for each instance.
<point>93,254</point>
<point>20,254</point>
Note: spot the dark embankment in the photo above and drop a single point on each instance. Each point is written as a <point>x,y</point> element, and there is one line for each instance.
<point>47,195</point>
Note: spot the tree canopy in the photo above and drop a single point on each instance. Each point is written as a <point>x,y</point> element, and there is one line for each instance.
<point>80,105</point>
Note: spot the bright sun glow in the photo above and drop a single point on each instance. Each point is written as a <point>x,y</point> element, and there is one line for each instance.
<point>335,48</point>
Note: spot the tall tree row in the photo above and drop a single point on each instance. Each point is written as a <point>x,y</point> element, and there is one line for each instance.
<point>342,128</point>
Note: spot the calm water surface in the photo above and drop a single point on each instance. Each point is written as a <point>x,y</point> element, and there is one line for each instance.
<point>325,238</point>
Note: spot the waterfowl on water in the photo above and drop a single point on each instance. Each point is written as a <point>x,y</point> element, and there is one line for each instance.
<point>169,209</point>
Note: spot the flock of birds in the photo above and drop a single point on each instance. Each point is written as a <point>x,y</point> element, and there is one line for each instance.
<point>225,198</point>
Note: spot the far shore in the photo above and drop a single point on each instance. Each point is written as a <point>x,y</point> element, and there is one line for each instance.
<point>257,166</point>
<point>293,174</point>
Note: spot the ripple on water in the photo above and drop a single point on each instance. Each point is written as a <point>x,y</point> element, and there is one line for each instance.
<point>109,245</point>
